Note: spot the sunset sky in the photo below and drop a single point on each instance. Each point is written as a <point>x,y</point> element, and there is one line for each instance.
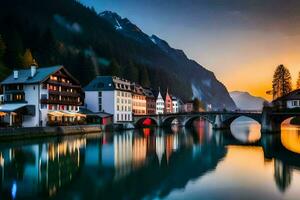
<point>242,42</point>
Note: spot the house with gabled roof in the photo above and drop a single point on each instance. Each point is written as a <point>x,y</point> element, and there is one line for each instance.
<point>112,95</point>
<point>289,101</point>
<point>40,97</point>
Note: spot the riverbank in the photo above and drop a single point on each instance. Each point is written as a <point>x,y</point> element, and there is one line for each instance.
<point>39,132</point>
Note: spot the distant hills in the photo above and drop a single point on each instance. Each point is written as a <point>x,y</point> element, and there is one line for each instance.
<point>88,43</point>
<point>246,101</point>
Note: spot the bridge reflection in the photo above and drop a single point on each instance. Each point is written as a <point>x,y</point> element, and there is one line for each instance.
<point>131,165</point>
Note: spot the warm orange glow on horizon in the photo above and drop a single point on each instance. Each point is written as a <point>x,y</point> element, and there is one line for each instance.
<point>251,58</point>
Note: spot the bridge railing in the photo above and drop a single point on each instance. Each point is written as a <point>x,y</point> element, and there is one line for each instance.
<point>204,112</point>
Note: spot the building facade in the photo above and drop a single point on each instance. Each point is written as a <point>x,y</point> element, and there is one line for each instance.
<point>112,95</point>
<point>160,104</point>
<point>138,100</point>
<point>41,96</point>
<point>150,101</point>
<point>175,104</point>
<point>168,103</point>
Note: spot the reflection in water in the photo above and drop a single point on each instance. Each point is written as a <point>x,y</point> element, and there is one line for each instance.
<point>283,175</point>
<point>151,163</point>
<point>246,130</point>
<point>290,137</point>
<point>40,168</point>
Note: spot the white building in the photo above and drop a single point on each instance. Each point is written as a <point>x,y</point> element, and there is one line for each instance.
<point>160,104</point>
<point>39,96</point>
<point>112,95</point>
<point>175,104</point>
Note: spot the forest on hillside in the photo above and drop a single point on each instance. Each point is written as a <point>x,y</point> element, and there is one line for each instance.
<point>94,48</point>
<point>65,32</point>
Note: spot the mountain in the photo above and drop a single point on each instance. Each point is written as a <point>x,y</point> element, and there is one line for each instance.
<point>203,83</point>
<point>88,43</point>
<point>246,101</point>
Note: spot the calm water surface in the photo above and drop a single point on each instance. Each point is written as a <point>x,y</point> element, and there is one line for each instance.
<point>156,164</point>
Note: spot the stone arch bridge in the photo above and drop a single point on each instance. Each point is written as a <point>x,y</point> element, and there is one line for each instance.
<point>270,121</point>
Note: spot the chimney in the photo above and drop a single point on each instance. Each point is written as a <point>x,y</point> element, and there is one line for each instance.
<point>16,74</point>
<point>33,70</point>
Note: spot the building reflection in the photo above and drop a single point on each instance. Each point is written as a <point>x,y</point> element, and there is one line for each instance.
<point>115,163</point>
<point>282,175</point>
<point>40,168</point>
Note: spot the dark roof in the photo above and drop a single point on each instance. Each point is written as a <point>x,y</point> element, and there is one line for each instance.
<point>294,95</point>
<point>103,83</point>
<point>86,111</point>
<point>24,75</point>
<point>149,92</point>
<point>137,89</point>
<point>108,83</point>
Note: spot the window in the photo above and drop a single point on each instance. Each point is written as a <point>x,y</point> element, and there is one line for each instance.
<point>43,106</point>
<point>100,101</point>
<point>43,96</point>
<point>294,103</point>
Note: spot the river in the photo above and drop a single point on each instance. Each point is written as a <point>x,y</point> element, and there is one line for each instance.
<point>178,163</point>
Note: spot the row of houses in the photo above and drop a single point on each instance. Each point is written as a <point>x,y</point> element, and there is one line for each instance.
<point>123,99</point>
<point>52,96</point>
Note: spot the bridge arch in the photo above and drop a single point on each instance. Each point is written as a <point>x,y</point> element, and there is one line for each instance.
<point>168,120</point>
<point>189,121</point>
<point>228,120</point>
<point>142,122</point>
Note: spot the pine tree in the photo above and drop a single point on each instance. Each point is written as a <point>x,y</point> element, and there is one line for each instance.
<point>133,72</point>
<point>28,59</point>
<point>14,50</point>
<point>197,105</point>
<point>115,68</point>
<point>2,48</point>
<point>282,82</point>
<point>298,82</point>
<point>144,77</point>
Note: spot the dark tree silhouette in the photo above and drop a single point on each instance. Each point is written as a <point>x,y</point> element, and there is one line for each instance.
<point>28,59</point>
<point>144,76</point>
<point>133,72</point>
<point>298,82</point>
<point>282,82</point>
<point>115,68</point>
<point>197,105</point>
<point>2,48</point>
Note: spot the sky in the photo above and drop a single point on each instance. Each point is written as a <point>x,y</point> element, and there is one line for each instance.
<point>241,41</point>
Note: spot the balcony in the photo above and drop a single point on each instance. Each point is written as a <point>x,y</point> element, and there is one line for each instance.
<point>58,83</point>
<point>63,93</point>
<point>61,102</point>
